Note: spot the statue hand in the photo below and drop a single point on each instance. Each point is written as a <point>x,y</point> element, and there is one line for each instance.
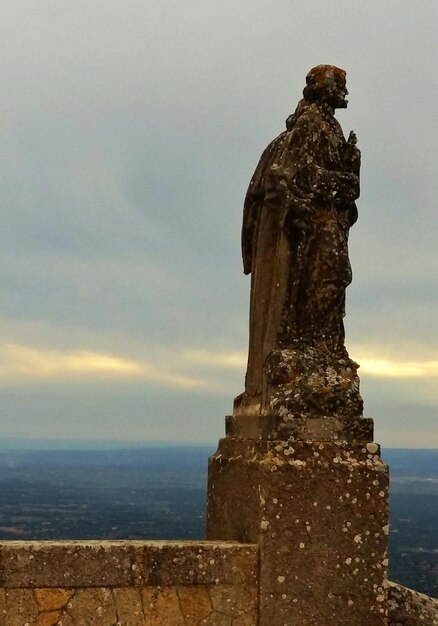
<point>352,139</point>
<point>352,153</point>
<point>349,186</point>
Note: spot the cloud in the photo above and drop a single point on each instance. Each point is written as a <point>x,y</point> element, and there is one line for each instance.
<point>370,364</point>
<point>29,362</point>
<point>401,369</point>
<point>21,363</point>
<point>215,359</point>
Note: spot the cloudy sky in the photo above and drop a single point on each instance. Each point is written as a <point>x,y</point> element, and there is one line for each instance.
<point>129,132</point>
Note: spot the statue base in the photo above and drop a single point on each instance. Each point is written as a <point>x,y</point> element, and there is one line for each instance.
<point>318,428</point>
<point>318,511</point>
<point>305,381</point>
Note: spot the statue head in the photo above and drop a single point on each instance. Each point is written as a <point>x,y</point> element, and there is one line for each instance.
<point>326,83</point>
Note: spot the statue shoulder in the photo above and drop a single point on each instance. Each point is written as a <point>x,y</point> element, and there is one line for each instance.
<point>310,116</point>
<point>268,156</point>
<point>255,196</point>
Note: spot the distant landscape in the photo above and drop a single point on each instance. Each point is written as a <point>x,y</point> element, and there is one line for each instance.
<point>160,493</point>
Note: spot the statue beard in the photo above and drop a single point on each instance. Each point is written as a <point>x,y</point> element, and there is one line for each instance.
<point>338,101</point>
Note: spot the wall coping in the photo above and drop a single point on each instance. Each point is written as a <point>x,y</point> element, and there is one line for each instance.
<point>70,564</point>
<point>410,608</point>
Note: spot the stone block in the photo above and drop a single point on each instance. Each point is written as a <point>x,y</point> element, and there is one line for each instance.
<point>162,607</point>
<point>20,608</point>
<point>51,599</point>
<point>67,564</point>
<point>128,606</point>
<point>319,514</point>
<point>198,563</point>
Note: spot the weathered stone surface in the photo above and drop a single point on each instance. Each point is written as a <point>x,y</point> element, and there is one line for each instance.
<point>191,563</point>
<point>236,601</point>
<point>50,599</point>
<point>20,607</point>
<point>410,608</point>
<point>298,211</point>
<point>51,603</point>
<point>273,426</point>
<point>91,607</point>
<point>128,606</point>
<point>162,606</point>
<point>124,563</point>
<point>319,514</point>
<point>68,564</point>
<point>216,605</point>
<point>49,619</point>
<point>195,583</point>
<point>196,603</point>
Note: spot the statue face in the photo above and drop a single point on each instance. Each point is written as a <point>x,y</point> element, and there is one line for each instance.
<point>326,83</point>
<point>336,96</point>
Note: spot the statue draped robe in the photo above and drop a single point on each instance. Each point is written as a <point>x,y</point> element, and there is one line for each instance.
<point>297,214</point>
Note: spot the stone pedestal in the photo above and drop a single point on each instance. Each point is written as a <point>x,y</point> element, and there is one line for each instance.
<point>318,510</point>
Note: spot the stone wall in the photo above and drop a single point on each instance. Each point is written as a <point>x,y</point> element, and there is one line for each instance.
<point>157,583</point>
<point>128,583</point>
<point>410,608</point>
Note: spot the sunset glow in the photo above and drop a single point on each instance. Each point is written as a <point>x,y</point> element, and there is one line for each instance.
<point>26,362</point>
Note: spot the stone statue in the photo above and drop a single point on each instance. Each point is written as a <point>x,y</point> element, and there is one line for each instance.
<point>298,211</point>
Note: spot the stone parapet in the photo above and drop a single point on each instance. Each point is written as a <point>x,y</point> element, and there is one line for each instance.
<point>410,608</point>
<point>165,583</point>
<point>128,583</point>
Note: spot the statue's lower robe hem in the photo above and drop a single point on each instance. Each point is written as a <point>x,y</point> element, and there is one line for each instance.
<point>306,382</point>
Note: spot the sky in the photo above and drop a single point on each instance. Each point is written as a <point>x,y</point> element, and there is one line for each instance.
<point>129,133</point>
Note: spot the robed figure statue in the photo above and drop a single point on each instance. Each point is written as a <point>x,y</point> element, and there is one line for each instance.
<point>298,211</point>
